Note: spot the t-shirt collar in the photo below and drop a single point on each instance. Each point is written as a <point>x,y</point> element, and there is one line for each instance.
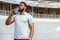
<point>23,13</point>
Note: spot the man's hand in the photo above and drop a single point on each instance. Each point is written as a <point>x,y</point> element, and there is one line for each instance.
<point>13,12</point>
<point>30,38</point>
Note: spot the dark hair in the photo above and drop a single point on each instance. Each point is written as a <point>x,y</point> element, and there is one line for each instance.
<point>24,3</point>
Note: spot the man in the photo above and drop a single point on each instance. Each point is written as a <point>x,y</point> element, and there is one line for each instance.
<point>24,24</point>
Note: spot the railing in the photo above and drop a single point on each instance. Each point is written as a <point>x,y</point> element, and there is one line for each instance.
<point>4,12</point>
<point>54,16</point>
<point>35,15</point>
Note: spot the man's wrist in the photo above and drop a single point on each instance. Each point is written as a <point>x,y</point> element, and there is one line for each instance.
<point>30,38</point>
<point>12,13</point>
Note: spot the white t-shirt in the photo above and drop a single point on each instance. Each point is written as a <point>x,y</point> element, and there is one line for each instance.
<point>22,25</point>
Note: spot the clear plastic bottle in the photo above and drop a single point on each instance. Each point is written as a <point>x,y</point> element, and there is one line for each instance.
<point>17,9</point>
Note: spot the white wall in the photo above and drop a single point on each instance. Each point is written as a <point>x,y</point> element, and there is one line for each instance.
<point>45,29</point>
<point>6,32</point>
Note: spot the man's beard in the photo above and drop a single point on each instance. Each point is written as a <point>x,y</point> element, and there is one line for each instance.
<point>21,10</point>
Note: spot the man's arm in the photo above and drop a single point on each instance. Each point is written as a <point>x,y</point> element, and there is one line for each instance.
<point>31,25</point>
<point>9,19</point>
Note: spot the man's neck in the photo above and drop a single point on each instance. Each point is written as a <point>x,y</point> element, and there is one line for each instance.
<point>22,12</point>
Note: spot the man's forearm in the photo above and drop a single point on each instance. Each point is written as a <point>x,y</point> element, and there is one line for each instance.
<point>9,21</point>
<point>31,25</point>
<point>31,33</point>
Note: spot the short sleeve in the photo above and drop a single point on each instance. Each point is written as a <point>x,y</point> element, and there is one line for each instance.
<point>31,20</point>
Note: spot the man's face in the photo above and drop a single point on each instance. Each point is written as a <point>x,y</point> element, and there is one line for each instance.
<point>22,7</point>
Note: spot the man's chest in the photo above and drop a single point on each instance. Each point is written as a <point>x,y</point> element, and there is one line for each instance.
<point>21,18</point>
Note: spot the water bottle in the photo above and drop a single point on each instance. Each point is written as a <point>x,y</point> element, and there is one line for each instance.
<point>17,10</point>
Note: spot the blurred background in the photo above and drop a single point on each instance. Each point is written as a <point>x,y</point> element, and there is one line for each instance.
<point>46,14</point>
<point>37,8</point>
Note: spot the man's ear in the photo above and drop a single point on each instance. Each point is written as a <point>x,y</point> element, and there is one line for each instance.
<point>25,7</point>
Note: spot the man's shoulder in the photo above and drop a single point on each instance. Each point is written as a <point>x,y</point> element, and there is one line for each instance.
<point>28,14</point>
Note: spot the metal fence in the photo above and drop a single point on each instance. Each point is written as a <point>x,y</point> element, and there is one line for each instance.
<point>46,16</point>
<point>4,12</point>
<point>35,15</point>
